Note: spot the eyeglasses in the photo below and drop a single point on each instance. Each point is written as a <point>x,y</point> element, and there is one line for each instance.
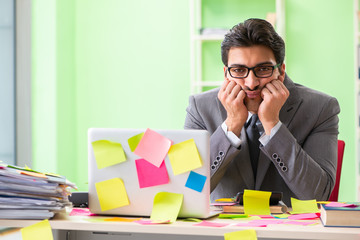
<point>259,71</point>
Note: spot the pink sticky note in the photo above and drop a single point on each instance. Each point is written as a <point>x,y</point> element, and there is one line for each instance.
<point>81,212</point>
<point>264,216</point>
<point>149,175</point>
<point>153,147</point>
<point>301,223</point>
<point>338,204</point>
<point>211,224</point>
<point>304,216</point>
<point>261,221</point>
<point>222,204</point>
<point>249,224</point>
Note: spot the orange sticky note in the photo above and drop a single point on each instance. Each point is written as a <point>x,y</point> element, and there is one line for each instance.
<point>184,157</point>
<point>40,230</point>
<point>111,194</point>
<point>33,174</point>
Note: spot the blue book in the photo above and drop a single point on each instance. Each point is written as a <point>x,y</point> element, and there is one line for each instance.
<point>340,216</point>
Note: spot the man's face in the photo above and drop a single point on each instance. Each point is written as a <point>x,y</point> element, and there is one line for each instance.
<point>250,57</point>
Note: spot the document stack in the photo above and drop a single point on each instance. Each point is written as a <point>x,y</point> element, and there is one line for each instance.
<point>27,194</point>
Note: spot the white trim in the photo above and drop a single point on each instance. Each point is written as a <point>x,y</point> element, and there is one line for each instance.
<point>23,82</point>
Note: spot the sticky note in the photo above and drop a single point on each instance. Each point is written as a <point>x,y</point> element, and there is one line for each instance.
<point>108,153</point>
<point>211,224</point>
<point>134,141</point>
<point>149,175</point>
<point>120,219</point>
<point>33,174</point>
<point>196,181</point>
<point>249,234</point>
<point>166,206</point>
<point>40,230</point>
<point>184,157</point>
<point>111,194</point>
<point>153,147</point>
<point>303,206</point>
<point>256,202</point>
<point>304,216</point>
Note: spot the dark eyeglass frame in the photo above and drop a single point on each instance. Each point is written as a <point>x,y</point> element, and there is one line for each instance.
<point>252,69</point>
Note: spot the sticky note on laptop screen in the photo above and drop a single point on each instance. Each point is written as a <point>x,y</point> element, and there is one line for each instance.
<point>108,153</point>
<point>184,157</point>
<point>149,175</point>
<point>111,194</point>
<point>134,141</point>
<point>153,147</point>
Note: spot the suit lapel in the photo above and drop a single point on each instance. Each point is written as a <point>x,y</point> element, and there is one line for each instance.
<point>287,113</point>
<point>243,159</point>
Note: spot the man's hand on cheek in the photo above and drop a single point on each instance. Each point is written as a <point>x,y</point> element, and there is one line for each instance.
<point>274,96</point>
<point>232,97</point>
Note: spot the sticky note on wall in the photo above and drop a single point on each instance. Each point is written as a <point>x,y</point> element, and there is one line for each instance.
<point>111,194</point>
<point>184,157</point>
<point>108,153</point>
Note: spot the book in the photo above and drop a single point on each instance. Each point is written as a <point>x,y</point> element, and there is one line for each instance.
<point>237,208</point>
<point>343,216</point>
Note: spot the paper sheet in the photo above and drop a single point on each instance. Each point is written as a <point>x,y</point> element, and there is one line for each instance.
<point>40,230</point>
<point>166,206</point>
<point>184,157</point>
<point>108,153</point>
<point>150,175</point>
<point>111,194</point>
<point>153,147</point>
<point>256,202</point>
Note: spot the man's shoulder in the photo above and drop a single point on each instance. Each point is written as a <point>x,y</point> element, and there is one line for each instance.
<point>209,95</point>
<point>310,94</point>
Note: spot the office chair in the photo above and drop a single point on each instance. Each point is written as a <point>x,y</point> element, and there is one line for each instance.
<point>335,193</point>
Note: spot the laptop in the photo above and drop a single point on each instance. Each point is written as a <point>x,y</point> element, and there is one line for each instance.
<point>139,190</point>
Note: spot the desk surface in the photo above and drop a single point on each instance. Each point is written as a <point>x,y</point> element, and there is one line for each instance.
<point>274,231</point>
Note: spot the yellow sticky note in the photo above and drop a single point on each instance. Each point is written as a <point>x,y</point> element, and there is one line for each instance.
<point>304,206</point>
<point>166,206</point>
<point>249,234</point>
<point>184,157</point>
<point>108,153</point>
<point>134,141</point>
<point>120,219</point>
<point>111,194</point>
<point>40,230</point>
<point>256,202</point>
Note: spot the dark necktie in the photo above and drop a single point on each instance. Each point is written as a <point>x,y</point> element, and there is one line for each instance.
<point>253,136</point>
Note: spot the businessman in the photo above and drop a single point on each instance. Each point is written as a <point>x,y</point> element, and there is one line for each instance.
<point>268,133</point>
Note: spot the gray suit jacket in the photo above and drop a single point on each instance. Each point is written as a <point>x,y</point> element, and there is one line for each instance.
<point>299,160</point>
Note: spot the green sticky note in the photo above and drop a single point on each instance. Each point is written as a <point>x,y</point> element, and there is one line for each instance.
<point>304,206</point>
<point>166,206</point>
<point>134,141</point>
<point>249,234</point>
<point>108,153</point>
<point>231,215</point>
<point>111,194</point>
<point>184,157</point>
<point>40,230</point>
<point>256,202</point>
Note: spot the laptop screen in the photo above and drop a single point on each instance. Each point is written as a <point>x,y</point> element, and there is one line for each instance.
<point>129,167</point>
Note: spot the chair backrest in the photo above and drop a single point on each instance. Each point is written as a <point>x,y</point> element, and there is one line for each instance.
<point>335,193</point>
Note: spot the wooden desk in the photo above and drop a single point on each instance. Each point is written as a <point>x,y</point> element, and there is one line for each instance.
<point>181,230</point>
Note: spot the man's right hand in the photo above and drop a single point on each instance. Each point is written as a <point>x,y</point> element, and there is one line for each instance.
<point>232,98</point>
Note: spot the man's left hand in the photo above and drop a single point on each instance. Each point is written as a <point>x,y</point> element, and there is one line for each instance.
<point>274,95</point>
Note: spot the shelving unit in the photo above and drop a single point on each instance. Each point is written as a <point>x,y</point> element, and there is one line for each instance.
<point>198,40</point>
<point>357,87</point>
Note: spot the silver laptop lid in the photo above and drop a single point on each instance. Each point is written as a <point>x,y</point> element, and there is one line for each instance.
<point>195,202</point>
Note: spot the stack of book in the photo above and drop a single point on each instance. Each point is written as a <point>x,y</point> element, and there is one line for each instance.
<point>340,214</point>
<point>27,194</point>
